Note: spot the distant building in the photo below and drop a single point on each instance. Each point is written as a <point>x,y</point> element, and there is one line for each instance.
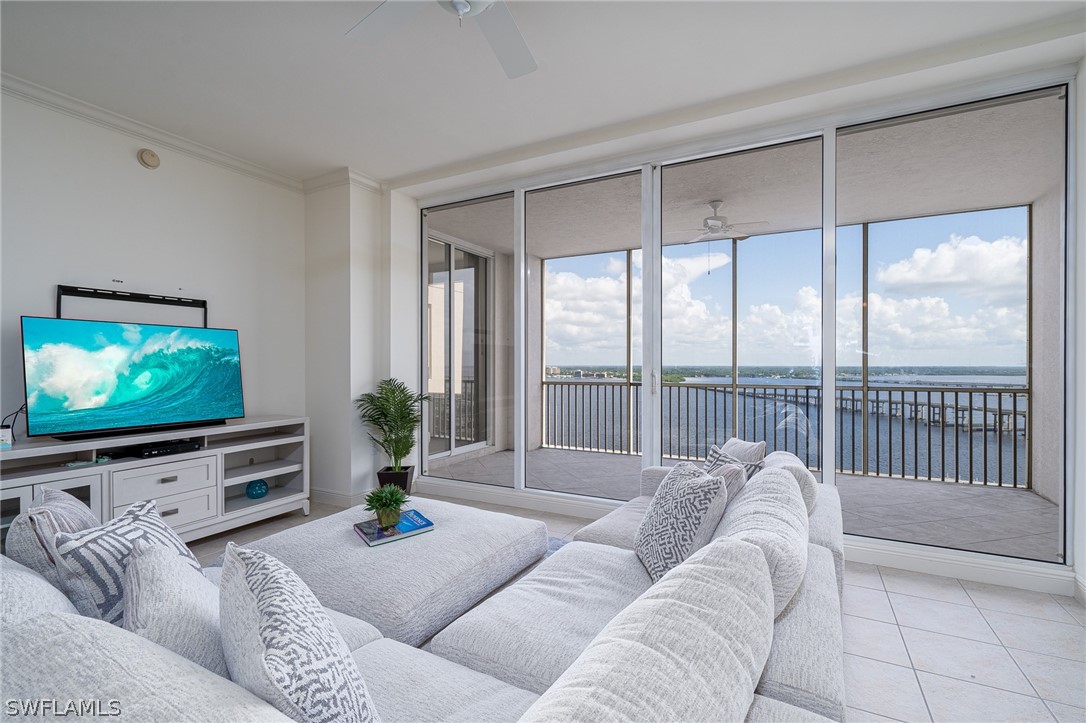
<point>578,373</point>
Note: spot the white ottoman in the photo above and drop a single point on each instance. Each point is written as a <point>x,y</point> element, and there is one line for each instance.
<point>410,589</point>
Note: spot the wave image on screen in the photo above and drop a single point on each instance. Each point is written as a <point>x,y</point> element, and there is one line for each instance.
<point>84,376</point>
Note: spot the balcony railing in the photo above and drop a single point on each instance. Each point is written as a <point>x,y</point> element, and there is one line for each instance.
<point>964,434</point>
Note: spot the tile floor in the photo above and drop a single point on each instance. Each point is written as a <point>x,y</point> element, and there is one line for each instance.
<point>927,648</point>
<point>917,647</point>
<point>1003,521</point>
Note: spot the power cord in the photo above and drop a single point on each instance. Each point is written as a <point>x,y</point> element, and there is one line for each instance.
<point>14,417</point>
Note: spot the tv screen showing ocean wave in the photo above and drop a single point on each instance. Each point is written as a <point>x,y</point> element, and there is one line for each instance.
<point>89,376</point>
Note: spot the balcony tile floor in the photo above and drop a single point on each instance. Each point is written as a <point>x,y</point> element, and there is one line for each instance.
<point>1002,521</point>
<point>917,647</point>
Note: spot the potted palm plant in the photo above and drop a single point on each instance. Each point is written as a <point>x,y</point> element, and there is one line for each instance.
<point>386,501</point>
<point>393,413</point>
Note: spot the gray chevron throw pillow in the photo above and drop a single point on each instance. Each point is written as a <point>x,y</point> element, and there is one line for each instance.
<point>681,518</point>
<point>717,458</point>
<point>281,645</point>
<point>91,562</point>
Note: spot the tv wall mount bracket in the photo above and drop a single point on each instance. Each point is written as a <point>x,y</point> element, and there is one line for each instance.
<point>162,299</point>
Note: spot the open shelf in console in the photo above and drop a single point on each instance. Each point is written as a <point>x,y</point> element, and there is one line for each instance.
<point>241,466</point>
<point>280,486</point>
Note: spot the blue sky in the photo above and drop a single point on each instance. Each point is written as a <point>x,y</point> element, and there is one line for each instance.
<point>945,290</point>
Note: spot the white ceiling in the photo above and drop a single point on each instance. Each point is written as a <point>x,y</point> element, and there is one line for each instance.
<point>278,83</point>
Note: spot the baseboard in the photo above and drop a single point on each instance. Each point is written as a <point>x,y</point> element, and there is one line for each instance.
<point>335,499</point>
<point>589,508</point>
<point>974,566</point>
<point>1080,590</point>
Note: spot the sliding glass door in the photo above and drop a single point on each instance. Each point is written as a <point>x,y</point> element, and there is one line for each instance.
<point>944,399</point>
<point>950,369</point>
<point>467,360</point>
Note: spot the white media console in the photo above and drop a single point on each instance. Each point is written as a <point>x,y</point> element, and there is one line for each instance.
<point>199,493</point>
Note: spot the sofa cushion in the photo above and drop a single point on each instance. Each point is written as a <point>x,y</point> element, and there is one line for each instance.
<point>805,666</point>
<point>768,710</point>
<point>827,529</point>
<point>170,603</point>
<point>651,477</point>
<point>101,662</point>
<point>689,649</point>
<point>280,644</point>
<point>682,516</point>
<point>769,512</point>
<point>806,481</point>
<point>30,539</point>
<point>24,594</point>
<point>530,632</point>
<point>413,686</point>
<point>617,528</point>
<point>355,632</point>
<point>91,562</point>
<point>434,578</point>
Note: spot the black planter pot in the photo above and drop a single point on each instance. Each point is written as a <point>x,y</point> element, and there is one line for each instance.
<point>401,479</point>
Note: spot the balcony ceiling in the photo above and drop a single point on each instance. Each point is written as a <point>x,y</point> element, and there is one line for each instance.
<point>279,84</point>
<point>999,155</point>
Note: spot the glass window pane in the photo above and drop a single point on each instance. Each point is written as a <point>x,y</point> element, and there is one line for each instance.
<point>584,337</point>
<point>469,327</point>
<point>741,301</point>
<point>951,423</point>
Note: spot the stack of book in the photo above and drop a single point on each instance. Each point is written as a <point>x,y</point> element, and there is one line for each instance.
<point>412,522</point>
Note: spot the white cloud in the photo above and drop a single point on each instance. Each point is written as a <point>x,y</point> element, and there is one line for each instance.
<point>131,333</point>
<point>586,317</point>
<point>991,270</point>
<point>925,331</point>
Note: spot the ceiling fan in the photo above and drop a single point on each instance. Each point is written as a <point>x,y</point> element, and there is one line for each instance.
<point>493,17</point>
<point>717,227</point>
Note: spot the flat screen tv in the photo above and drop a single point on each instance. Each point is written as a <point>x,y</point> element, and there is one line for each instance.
<point>85,378</point>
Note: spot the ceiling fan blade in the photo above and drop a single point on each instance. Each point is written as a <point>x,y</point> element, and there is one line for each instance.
<point>684,231</point>
<point>383,20</point>
<point>749,223</point>
<point>505,40</point>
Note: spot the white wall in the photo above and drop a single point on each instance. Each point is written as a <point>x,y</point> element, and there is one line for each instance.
<point>368,336</point>
<point>327,342</point>
<point>79,209</point>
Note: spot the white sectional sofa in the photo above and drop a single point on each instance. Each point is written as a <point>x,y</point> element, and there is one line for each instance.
<point>584,636</point>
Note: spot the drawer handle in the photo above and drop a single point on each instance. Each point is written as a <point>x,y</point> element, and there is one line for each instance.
<point>167,513</point>
<point>167,480</point>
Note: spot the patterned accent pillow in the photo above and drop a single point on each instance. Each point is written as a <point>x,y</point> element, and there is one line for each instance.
<point>281,645</point>
<point>751,461</point>
<point>91,562</point>
<point>168,602</point>
<point>681,518</point>
<point>30,540</point>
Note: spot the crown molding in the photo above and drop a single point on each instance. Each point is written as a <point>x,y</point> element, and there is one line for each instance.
<point>51,99</point>
<point>342,177</point>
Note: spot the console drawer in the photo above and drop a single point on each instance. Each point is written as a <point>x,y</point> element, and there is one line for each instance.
<point>161,480</point>
<point>179,510</point>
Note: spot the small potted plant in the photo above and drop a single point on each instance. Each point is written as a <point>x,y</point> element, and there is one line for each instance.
<point>386,501</point>
<point>393,412</point>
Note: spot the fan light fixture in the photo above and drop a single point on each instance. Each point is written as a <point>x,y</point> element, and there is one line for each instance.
<point>464,9</point>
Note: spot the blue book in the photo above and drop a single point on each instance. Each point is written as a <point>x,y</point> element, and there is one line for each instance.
<point>412,522</point>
